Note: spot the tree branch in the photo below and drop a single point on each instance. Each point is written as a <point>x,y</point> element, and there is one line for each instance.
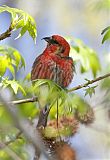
<point>89,82</point>
<point>28,100</point>
<point>21,101</point>
<point>35,99</point>
<point>6,34</point>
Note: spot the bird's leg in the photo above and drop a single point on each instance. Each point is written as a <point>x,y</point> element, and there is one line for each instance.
<point>43,116</point>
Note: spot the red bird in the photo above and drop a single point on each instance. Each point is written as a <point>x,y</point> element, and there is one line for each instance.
<point>54,63</point>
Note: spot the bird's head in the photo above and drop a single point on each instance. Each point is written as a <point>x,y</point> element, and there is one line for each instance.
<point>57,45</point>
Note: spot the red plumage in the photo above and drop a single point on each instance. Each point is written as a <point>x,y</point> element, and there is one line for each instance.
<point>54,63</point>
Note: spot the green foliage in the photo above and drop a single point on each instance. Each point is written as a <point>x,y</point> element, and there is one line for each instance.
<point>13,84</point>
<point>17,147</point>
<point>67,102</point>
<point>11,59</point>
<point>28,77</point>
<point>101,5</point>
<point>29,110</point>
<point>106,33</point>
<point>5,119</point>
<point>21,20</point>
<point>106,83</point>
<point>49,92</point>
<point>87,56</point>
<point>90,91</point>
<point>79,104</point>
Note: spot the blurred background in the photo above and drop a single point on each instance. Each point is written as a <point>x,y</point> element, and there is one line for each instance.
<point>81,19</point>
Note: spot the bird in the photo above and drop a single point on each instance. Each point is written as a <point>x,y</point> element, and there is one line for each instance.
<point>54,64</point>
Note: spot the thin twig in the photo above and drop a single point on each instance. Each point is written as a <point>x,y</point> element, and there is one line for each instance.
<point>28,100</point>
<point>21,101</point>
<point>89,82</point>
<point>6,34</point>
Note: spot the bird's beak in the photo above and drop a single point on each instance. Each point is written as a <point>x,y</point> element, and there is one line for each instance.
<point>48,39</point>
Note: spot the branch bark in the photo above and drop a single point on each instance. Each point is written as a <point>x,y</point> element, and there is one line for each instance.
<point>89,82</point>
<point>6,34</point>
<point>27,100</point>
<point>21,101</point>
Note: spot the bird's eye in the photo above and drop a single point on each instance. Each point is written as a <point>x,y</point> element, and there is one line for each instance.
<point>54,41</point>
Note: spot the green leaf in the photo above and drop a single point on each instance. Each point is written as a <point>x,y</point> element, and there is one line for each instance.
<point>104,30</point>
<point>13,84</point>
<point>22,32</point>
<point>28,77</point>
<point>101,5</point>
<point>90,91</point>
<point>21,20</point>
<point>49,92</point>
<point>12,70</point>
<point>29,110</point>
<point>21,89</point>
<point>107,34</point>
<point>17,58</point>
<point>3,65</point>
<point>10,59</point>
<point>87,56</point>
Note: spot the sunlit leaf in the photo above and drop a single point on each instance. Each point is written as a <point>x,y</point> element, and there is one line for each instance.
<point>27,77</point>
<point>106,33</point>
<point>21,20</point>
<point>101,5</point>
<point>10,58</point>
<point>29,110</point>
<point>87,56</point>
<point>5,82</point>
<point>14,86</point>
<point>90,91</point>
<point>3,65</point>
<point>11,68</point>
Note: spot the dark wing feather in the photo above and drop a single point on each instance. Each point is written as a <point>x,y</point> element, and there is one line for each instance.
<point>43,69</point>
<point>37,65</point>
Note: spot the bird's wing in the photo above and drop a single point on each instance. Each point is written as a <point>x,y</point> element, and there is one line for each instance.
<point>66,71</point>
<point>43,68</point>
